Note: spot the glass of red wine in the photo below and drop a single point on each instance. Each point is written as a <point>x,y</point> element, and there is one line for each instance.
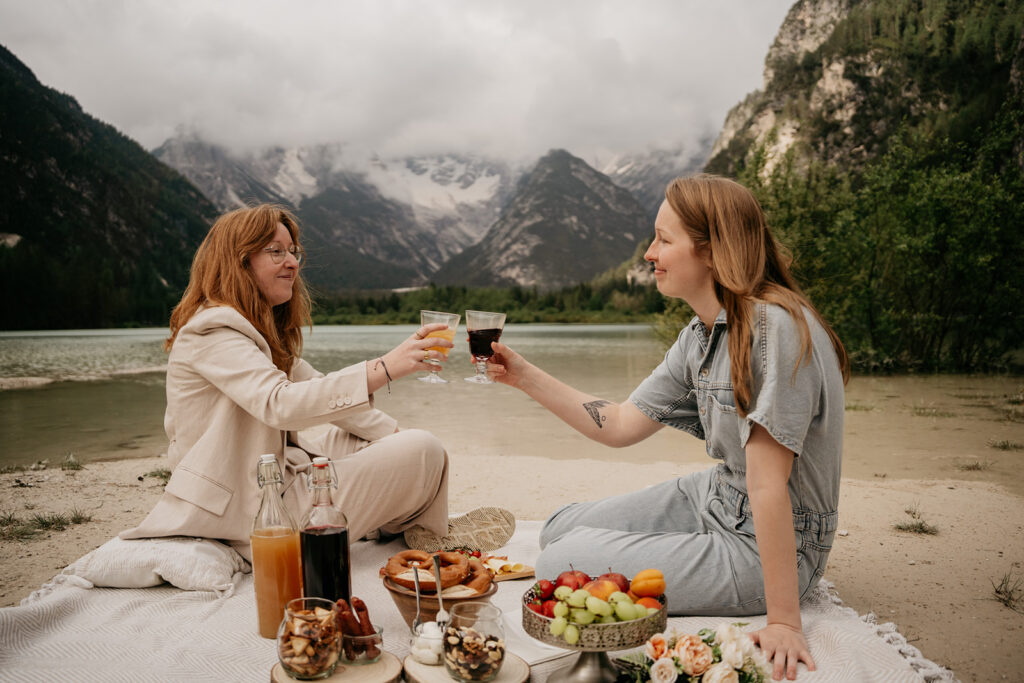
<point>483,327</point>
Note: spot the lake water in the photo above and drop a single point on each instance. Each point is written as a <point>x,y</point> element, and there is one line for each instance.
<point>100,394</point>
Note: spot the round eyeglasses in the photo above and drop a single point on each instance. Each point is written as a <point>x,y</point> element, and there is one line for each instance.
<point>277,252</point>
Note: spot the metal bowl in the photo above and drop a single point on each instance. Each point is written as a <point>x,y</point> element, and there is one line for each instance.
<point>622,635</point>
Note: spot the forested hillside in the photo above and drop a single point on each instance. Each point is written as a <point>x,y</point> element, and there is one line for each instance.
<point>899,189</point>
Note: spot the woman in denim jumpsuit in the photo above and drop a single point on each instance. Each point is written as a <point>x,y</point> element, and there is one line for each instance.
<point>759,376</point>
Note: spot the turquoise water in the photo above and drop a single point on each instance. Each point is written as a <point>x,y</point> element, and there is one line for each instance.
<point>100,393</point>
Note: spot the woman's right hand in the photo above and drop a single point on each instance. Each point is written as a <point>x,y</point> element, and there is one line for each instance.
<point>506,366</point>
<point>410,356</point>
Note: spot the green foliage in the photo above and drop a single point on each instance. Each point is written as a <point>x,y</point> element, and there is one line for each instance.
<point>916,259</point>
<point>607,300</point>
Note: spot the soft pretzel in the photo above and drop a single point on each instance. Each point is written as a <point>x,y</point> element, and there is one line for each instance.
<point>454,569</point>
<point>479,577</point>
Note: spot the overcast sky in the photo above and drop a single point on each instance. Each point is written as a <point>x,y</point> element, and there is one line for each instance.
<point>507,78</point>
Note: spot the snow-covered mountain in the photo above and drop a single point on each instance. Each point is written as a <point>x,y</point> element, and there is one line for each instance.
<point>646,174</point>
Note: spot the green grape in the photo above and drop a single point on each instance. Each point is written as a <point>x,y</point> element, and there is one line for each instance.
<point>598,606</point>
<point>558,625</point>
<point>608,619</point>
<point>619,596</point>
<point>582,616</point>
<point>652,610</point>
<point>626,611</point>
<point>561,609</point>
<point>578,598</point>
<point>572,634</point>
<point>562,593</point>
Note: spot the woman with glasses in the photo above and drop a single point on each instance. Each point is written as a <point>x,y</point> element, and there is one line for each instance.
<point>237,388</point>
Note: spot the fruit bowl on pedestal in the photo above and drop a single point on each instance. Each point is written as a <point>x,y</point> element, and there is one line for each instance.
<point>595,641</point>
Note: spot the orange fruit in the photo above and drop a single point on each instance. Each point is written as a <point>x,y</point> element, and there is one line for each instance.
<point>649,602</point>
<point>648,583</point>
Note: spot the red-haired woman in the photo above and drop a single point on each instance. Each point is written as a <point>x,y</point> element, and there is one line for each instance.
<point>237,388</point>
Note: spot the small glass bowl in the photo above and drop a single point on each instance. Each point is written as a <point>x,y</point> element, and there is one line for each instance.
<point>362,649</point>
<point>427,644</point>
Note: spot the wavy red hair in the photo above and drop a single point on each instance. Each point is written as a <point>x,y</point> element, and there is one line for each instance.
<point>221,275</point>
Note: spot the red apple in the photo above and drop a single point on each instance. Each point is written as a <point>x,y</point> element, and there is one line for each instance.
<point>573,578</point>
<point>619,580</point>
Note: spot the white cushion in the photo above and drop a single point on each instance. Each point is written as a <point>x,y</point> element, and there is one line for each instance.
<point>194,564</point>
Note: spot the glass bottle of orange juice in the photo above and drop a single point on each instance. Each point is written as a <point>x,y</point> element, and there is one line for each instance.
<point>276,567</point>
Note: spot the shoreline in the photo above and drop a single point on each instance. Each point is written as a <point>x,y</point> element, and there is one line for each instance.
<point>937,589</point>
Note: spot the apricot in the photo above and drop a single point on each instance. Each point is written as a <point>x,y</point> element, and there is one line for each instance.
<point>601,588</point>
<point>649,602</point>
<point>648,583</point>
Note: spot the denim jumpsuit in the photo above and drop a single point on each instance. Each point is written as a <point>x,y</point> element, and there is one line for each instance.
<point>699,529</point>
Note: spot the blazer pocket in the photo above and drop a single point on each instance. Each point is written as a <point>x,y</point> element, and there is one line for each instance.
<point>199,490</point>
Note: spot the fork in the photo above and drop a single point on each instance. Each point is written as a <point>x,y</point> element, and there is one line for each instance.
<point>442,614</point>
<point>417,622</point>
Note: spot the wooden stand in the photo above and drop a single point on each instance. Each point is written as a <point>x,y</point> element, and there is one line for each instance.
<point>513,670</point>
<point>384,670</point>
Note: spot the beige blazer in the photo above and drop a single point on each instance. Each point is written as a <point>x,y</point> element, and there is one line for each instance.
<point>227,404</point>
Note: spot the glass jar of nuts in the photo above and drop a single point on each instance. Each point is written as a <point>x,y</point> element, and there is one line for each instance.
<point>474,642</point>
<point>308,640</point>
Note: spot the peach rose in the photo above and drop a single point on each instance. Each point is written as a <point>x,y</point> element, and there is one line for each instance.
<point>656,647</point>
<point>664,671</point>
<point>721,673</point>
<point>693,654</point>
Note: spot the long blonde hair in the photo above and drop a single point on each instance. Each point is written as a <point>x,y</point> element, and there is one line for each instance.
<point>221,275</point>
<point>748,265</point>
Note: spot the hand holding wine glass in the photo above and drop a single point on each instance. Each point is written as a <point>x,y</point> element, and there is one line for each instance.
<point>484,327</point>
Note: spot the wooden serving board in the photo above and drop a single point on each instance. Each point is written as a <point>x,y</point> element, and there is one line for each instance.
<point>525,573</point>
<point>513,670</point>
<point>384,670</point>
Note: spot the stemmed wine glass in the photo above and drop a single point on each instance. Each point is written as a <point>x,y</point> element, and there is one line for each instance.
<point>452,321</point>
<point>484,328</point>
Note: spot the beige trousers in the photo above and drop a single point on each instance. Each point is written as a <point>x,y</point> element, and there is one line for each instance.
<point>384,486</point>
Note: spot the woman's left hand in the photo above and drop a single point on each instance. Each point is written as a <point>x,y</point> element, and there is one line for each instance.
<point>410,356</point>
<point>784,646</point>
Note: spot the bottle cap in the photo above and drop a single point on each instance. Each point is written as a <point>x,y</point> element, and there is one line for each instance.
<point>321,461</point>
<point>268,457</point>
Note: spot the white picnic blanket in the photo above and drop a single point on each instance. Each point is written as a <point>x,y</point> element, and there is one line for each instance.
<point>65,632</point>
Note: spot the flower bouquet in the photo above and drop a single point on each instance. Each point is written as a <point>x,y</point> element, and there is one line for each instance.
<point>723,655</point>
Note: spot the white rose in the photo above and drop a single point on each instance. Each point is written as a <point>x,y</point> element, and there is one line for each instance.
<point>732,653</point>
<point>726,632</point>
<point>664,671</point>
<point>720,673</point>
<point>761,662</point>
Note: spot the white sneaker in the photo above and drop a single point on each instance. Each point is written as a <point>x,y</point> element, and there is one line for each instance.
<point>482,529</point>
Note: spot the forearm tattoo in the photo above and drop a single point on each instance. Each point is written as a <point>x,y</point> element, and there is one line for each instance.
<point>593,410</point>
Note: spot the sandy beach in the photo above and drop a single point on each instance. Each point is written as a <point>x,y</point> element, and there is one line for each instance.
<point>938,589</point>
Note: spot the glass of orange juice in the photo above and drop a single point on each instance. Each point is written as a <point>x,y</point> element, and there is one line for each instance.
<point>452,321</point>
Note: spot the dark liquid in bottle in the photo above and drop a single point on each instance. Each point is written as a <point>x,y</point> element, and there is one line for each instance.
<point>325,565</point>
<point>480,342</point>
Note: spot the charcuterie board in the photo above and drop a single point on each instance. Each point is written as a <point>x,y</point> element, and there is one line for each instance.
<point>524,573</point>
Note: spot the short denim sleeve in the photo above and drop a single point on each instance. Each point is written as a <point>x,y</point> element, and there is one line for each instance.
<point>668,395</point>
<point>782,402</point>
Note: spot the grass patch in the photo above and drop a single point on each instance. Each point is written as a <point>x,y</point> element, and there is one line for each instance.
<point>931,411</point>
<point>974,466</point>
<point>916,525</point>
<point>859,407</point>
<point>161,473</point>
<point>13,528</point>
<point>1005,445</point>
<point>8,469</point>
<point>71,463</point>
<point>1008,591</point>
